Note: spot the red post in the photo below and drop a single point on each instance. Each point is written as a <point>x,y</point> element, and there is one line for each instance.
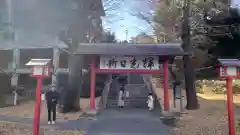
<point>230,105</point>
<point>93,84</point>
<point>37,107</point>
<point>166,96</point>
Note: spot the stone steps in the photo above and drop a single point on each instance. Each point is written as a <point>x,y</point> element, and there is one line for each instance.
<point>138,94</point>
<point>137,102</point>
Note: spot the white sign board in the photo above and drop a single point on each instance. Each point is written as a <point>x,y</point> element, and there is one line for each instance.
<point>232,71</point>
<point>134,62</point>
<point>37,70</point>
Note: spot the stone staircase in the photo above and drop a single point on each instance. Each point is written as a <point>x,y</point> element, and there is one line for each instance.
<point>137,96</point>
<point>137,90</point>
<point>136,79</point>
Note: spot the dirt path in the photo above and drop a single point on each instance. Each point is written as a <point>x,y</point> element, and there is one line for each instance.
<point>212,96</point>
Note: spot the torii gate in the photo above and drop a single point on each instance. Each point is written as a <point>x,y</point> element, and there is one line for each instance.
<point>129,58</point>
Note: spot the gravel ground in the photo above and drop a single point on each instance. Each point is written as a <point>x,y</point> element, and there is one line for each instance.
<point>10,128</point>
<point>27,110</point>
<point>210,119</point>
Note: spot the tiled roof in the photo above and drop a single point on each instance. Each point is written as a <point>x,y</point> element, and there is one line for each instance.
<point>230,62</point>
<point>130,49</point>
<point>28,43</point>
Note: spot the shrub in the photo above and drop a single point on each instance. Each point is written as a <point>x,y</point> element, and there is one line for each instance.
<point>236,88</point>
<point>219,89</point>
<point>199,90</point>
<point>199,87</point>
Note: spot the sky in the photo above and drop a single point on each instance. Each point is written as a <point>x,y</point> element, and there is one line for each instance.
<point>235,3</point>
<point>124,22</point>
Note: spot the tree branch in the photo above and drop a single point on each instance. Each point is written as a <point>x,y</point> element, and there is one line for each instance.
<point>110,5</point>
<point>145,18</point>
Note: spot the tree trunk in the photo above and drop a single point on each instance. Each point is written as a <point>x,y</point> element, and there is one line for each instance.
<point>189,71</point>
<point>71,94</point>
<point>77,32</point>
<point>75,80</point>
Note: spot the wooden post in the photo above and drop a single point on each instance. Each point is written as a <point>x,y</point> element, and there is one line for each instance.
<point>166,95</point>
<point>37,107</point>
<point>230,105</point>
<point>93,84</point>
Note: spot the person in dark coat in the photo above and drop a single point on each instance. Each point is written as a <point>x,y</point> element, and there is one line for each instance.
<point>52,98</point>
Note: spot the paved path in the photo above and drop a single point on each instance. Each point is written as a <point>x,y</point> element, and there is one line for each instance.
<point>128,122</point>
<point>110,122</point>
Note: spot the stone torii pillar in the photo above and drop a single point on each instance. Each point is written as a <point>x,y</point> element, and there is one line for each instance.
<point>14,77</point>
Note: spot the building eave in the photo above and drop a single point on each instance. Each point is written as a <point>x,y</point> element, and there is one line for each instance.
<point>15,45</point>
<point>130,49</point>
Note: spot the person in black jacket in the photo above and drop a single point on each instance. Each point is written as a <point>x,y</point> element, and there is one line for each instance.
<point>52,101</point>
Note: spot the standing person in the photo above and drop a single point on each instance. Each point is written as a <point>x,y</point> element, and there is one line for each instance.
<point>150,101</point>
<point>177,89</point>
<point>121,97</point>
<point>52,101</point>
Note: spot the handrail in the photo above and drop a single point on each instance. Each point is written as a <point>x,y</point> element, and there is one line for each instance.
<point>104,97</point>
<point>147,81</point>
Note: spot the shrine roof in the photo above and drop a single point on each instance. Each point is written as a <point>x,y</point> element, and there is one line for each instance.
<point>230,62</point>
<point>131,49</point>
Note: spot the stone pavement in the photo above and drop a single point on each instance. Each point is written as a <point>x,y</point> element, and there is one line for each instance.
<point>128,122</point>
<point>109,122</point>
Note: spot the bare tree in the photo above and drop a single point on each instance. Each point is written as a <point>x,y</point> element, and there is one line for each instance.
<point>166,23</point>
<point>79,32</point>
<point>111,8</point>
<point>75,34</point>
<point>185,19</point>
<point>112,5</point>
